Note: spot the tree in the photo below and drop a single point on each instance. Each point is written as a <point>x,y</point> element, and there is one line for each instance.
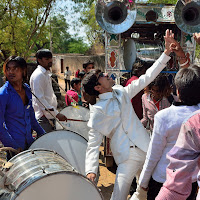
<point>62,41</point>
<point>22,23</point>
<point>197,52</point>
<point>94,31</point>
<point>162,1</point>
<point>59,35</point>
<point>77,46</point>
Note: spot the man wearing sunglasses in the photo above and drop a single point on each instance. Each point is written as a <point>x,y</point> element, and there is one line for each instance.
<point>113,116</point>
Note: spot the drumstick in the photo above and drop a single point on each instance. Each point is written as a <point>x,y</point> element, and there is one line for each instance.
<point>77,120</point>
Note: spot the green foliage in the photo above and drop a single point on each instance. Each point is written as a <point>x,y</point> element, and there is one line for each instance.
<point>62,41</point>
<point>77,46</point>
<point>59,35</point>
<point>93,30</point>
<point>197,52</point>
<point>22,22</point>
<point>25,28</point>
<point>162,1</point>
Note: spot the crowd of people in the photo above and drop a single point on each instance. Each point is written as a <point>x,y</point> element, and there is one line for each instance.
<point>155,134</point>
<point>113,116</point>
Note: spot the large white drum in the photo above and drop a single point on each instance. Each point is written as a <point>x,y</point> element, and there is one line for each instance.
<point>80,113</point>
<point>68,144</point>
<point>44,175</point>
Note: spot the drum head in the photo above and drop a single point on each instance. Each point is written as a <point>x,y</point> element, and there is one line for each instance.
<point>68,144</point>
<point>80,113</point>
<point>61,186</point>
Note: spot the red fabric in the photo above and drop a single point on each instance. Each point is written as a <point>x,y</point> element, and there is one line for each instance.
<point>137,100</point>
<point>73,94</point>
<point>157,104</point>
<point>77,73</point>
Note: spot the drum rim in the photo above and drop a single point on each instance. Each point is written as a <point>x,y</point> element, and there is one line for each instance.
<point>60,130</point>
<point>22,188</point>
<point>69,160</point>
<point>36,149</point>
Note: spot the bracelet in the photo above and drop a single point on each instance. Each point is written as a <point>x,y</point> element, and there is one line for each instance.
<point>181,58</point>
<point>183,64</point>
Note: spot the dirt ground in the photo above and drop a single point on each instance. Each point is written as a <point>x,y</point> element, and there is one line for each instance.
<point>107,175</point>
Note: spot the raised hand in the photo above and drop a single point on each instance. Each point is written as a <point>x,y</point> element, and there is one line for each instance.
<point>169,39</point>
<point>171,45</point>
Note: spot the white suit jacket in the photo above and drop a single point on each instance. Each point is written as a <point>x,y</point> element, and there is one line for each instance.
<point>113,116</point>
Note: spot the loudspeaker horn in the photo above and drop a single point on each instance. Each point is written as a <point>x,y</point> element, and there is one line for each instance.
<point>187,15</point>
<point>115,17</point>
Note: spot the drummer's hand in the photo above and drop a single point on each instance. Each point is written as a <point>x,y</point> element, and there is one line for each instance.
<point>91,176</point>
<point>61,117</point>
<point>85,105</point>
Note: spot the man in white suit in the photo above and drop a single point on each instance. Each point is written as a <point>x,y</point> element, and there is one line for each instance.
<point>113,116</point>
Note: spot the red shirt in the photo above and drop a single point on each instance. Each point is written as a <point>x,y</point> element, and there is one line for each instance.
<point>157,103</point>
<point>77,73</point>
<point>137,100</point>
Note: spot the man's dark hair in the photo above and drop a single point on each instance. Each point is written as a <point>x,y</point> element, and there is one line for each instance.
<point>163,84</point>
<point>187,81</point>
<point>90,81</point>
<point>87,63</point>
<point>75,81</point>
<point>81,74</point>
<point>21,63</point>
<point>43,53</point>
<point>140,66</point>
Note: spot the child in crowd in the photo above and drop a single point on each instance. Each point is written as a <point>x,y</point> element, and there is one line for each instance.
<point>74,94</point>
<point>158,96</point>
<point>81,75</point>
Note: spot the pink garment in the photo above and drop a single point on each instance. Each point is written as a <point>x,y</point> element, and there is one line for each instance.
<point>150,109</point>
<point>137,100</point>
<point>184,162</point>
<point>73,94</point>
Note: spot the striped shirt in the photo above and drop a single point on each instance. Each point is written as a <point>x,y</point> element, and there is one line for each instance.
<point>184,162</point>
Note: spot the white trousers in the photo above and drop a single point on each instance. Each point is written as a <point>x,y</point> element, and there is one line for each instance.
<point>126,171</point>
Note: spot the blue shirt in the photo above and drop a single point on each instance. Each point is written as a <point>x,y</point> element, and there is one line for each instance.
<point>17,119</point>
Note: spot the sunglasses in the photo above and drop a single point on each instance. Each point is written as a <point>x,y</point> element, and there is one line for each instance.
<point>101,74</point>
